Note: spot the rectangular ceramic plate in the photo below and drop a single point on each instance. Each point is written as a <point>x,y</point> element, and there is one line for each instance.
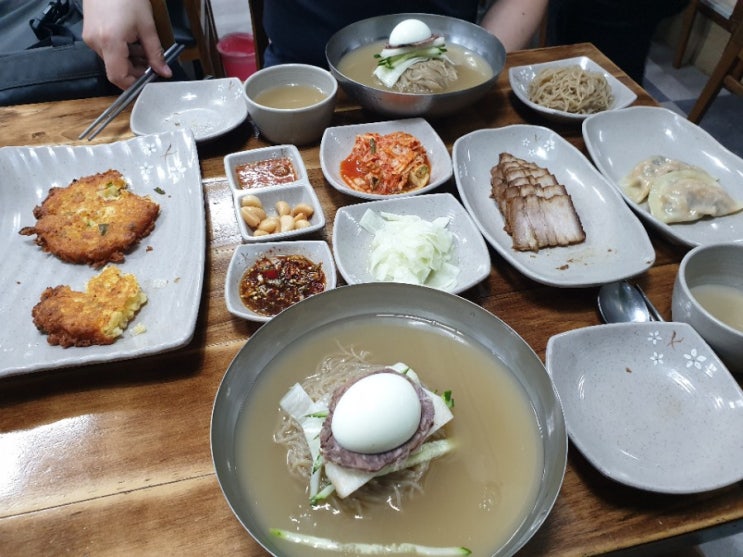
<point>169,263</point>
<point>617,141</point>
<point>337,143</point>
<point>616,244</point>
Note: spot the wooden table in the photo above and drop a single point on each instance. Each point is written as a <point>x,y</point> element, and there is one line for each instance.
<point>114,459</point>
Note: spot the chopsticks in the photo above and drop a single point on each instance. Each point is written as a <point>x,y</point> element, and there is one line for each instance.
<point>128,96</point>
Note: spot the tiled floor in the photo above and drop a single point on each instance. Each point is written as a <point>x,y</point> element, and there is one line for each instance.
<point>674,89</point>
<point>678,89</point>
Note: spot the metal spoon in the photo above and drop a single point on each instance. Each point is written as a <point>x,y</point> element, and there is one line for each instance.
<point>621,302</point>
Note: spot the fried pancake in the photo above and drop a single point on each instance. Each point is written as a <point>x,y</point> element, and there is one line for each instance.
<point>97,316</point>
<point>94,220</point>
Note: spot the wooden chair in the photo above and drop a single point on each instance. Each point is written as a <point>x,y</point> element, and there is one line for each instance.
<point>711,10</point>
<point>260,39</point>
<point>192,24</point>
<point>727,73</point>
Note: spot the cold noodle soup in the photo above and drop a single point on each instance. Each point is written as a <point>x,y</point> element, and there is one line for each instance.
<point>475,496</point>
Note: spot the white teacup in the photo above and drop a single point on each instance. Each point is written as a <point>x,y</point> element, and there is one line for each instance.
<point>708,294</point>
<point>291,103</point>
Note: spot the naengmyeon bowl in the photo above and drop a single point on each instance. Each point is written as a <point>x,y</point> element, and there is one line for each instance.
<point>258,375</point>
<point>391,103</point>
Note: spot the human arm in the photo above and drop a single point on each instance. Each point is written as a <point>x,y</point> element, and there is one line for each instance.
<point>123,34</point>
<point>514,22</point>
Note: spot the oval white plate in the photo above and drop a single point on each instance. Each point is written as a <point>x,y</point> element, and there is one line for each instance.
<point>617,141</point>
<point>521,76</point>
<point>337,142</point>
<point>246,255</point>
<point>351,243</point>
<point>208,108</point>
<point>616,245</point>
<point>650,405</point>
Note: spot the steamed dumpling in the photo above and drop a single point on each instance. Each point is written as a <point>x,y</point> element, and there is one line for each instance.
<point>688,195</point>
<point>637,183</point>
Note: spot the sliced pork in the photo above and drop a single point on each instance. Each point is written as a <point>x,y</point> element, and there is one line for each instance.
<point>537,210</point>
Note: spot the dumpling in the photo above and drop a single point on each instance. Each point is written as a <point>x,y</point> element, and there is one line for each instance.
<point>637,183</point>
<point>688,195</point>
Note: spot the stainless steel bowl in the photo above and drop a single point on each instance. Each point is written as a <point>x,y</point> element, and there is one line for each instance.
<point>429,307</point>
<point>390,103</point>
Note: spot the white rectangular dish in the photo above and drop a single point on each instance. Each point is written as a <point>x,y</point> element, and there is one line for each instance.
<point>169,263</point>
<point>619,140</point>
<point>352,243</point>
<point>616,245</point>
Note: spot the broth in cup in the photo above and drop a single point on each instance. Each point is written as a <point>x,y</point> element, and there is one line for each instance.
<point>708,295</point>
<point>291,103</point>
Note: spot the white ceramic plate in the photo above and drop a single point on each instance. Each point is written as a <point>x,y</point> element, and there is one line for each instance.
<point>246,255</point>
<point>233,160</point>
<point>337,142</point>
<point>169,263</point>
<point>616,245</point>
<point>617,141</point>
<point>208,108</point>
<point>650,405</point>
<point>521,76</point>
<point>294,194</point>
<point>351,243</point>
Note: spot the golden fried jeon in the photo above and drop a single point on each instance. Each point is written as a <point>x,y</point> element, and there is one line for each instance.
<point>97,316</point>
<point>94,220</point>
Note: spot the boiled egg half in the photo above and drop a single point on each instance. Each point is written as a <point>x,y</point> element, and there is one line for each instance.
<point>376,414</point>
<point>409,31</point>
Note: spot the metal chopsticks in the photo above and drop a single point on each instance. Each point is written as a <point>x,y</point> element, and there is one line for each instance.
<point>128,96</point>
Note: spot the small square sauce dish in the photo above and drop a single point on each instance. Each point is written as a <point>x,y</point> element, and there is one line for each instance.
<point>267,166</point>
<point>278,212</point>
<point>311,260</point>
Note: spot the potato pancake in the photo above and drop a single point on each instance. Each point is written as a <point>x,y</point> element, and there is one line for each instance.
<point>94,220</point>
<point>97,316</point>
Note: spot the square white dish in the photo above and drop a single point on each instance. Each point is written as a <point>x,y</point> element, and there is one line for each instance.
<point>209,108</point>
<point>233,160</point>
<point>337,142</point>
<point>169,263</point>
<point>616,245</point>
<point>650,405</point>
<point>294,194</point>
<point>351,242</point>
<point>246,255</point>
<point>617,141</point>
<point>521,76</point>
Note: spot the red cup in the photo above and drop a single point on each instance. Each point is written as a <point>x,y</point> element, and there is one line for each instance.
<point>238,54</point>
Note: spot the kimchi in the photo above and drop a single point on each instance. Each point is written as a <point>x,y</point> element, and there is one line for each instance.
<point>386,164</point>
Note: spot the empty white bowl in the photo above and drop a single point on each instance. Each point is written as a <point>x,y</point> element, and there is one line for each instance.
<point>291,125</point>
<point>718,267</point>
<point>246,255</point>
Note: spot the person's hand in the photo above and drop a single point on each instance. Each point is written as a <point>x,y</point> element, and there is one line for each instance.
<point>123,34</point>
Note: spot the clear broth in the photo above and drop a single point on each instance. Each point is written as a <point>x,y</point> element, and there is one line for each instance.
<point>475,497</point>
<point>722,301</point>
<point>359,65</point>
<point>290,96</point>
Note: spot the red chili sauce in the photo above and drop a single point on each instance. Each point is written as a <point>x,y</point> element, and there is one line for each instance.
<point>272,284</point>
<point>265,173</point>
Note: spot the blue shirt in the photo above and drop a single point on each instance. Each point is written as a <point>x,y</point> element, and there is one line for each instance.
<point>299,29</point>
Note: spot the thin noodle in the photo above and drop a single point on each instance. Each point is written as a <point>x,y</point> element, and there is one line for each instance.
<point>392,489</point>
<point>571,89</point>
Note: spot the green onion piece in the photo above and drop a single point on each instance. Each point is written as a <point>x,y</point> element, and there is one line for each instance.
<point>327,544</point>
<point>103,228</point>
<point>160,191</point>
